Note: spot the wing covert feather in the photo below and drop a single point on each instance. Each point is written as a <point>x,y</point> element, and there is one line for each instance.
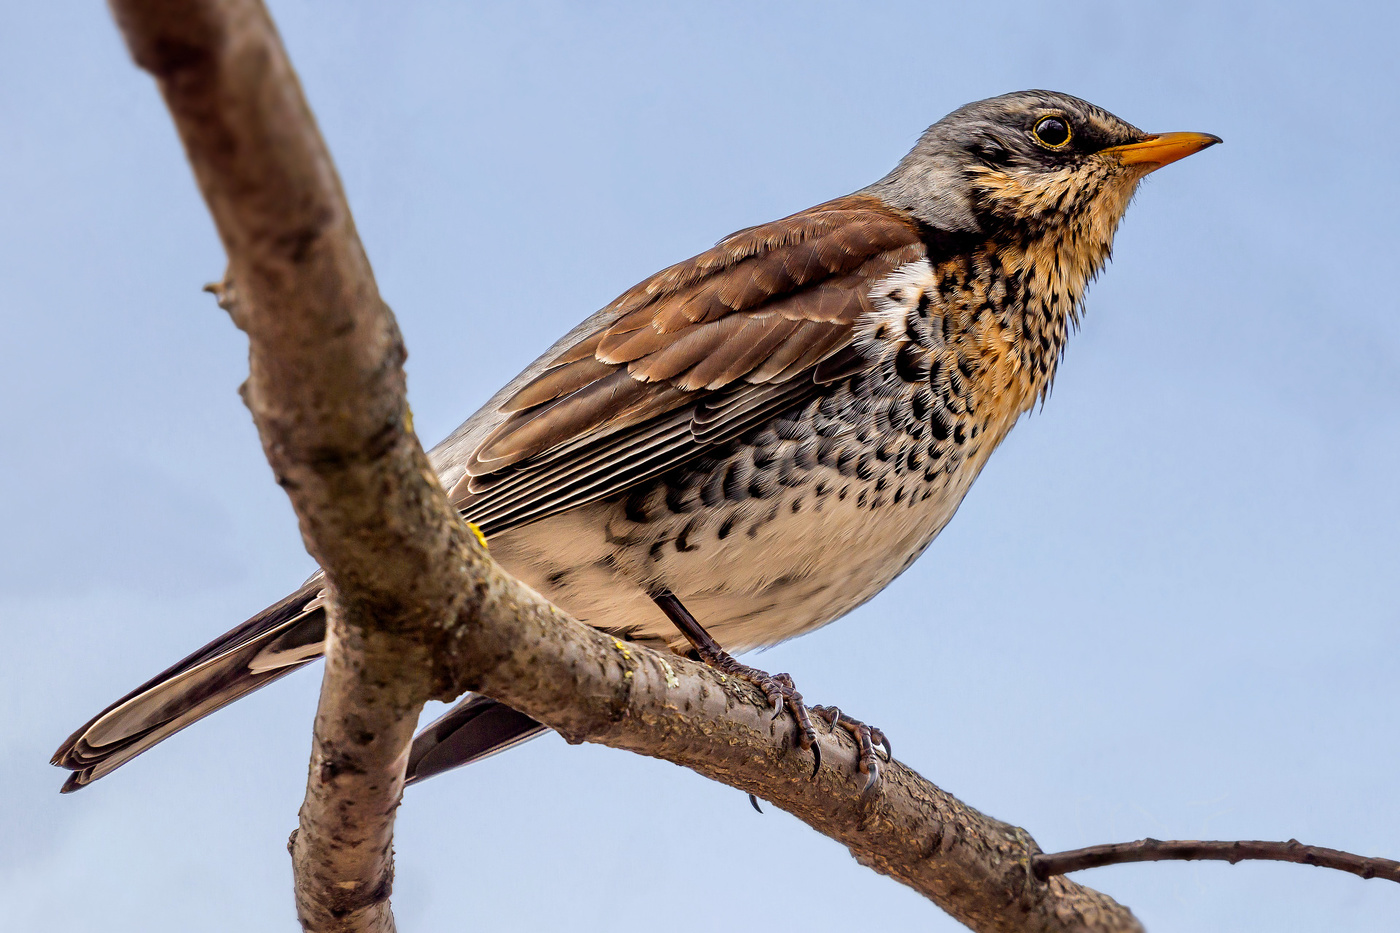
<point>725,331</point>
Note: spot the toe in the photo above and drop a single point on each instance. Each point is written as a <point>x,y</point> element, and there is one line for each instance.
<point>872,777</point>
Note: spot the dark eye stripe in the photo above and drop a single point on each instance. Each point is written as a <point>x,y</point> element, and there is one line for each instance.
<point>1052,132</point>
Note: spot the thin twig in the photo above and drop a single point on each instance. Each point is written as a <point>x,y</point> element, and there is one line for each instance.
<point>1157,850</point>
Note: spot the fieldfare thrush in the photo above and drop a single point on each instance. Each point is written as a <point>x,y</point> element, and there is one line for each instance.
<point>755,441</point>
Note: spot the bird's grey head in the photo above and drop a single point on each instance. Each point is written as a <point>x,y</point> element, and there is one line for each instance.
<point>1028,160</point>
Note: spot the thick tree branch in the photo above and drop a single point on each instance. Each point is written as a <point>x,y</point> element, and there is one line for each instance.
<point>326,388</point>
<point>1157,850</point>
<point>419,609</point>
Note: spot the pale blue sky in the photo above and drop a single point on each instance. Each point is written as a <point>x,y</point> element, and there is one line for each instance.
<point>1167,608</point>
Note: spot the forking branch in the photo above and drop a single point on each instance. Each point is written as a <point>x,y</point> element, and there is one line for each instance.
<point>419,610</point>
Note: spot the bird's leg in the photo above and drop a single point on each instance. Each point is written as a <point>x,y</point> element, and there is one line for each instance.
<point>781,693</point>
<point>778,688</point>
<point>867,737</point>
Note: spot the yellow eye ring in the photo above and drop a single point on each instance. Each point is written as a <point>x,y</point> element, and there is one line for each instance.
<point>1052,132</point>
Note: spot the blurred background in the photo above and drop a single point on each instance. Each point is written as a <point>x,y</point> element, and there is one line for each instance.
<point>1168,607</point>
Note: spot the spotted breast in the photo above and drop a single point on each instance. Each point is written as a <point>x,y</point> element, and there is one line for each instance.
<point>771,492</point>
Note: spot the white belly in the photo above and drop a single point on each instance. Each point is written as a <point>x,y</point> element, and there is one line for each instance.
<point>775,574</point>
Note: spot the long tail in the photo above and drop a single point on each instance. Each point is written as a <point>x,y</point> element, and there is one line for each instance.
<point>275,642</point>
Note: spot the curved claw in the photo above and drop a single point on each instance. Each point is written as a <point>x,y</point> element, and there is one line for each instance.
<point>754,800</point>
<point>885,744</point>
<point>872,780</point>
<point>816,758</point>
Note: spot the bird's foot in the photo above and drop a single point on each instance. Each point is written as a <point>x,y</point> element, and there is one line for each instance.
<point>781,693</point>
<point>867,738</point>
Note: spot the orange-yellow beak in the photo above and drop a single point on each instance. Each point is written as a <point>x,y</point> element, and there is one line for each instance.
<point>1163,149</point>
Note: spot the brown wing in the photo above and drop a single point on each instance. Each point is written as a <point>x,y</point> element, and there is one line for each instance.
<point>726,336</point>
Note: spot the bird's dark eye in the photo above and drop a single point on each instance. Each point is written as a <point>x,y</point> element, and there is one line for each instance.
<point>1052,132</point>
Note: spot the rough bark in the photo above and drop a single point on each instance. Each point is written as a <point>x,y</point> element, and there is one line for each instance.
<point>419,609</point>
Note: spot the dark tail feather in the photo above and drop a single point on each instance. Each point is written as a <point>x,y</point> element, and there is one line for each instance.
<point>272,643</point>
<point>275,642</point>
<point>470,731</point>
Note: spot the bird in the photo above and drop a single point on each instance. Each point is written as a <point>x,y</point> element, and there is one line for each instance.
<point>751,443</point>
